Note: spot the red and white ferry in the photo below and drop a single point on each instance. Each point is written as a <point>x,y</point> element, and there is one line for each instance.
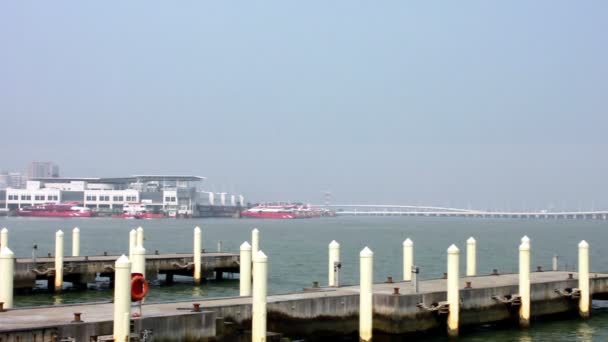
<point>261,211</point>
<point>137,211</point>
<point>67,209</point>
<point>285,211</point>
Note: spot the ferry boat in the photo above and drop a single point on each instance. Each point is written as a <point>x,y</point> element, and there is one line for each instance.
<point>137,211</point>
<point>67,209</point>
<point>285,211</point>
<point>267,212</point>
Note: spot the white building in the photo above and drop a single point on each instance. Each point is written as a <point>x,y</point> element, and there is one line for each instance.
<point>171,195</point>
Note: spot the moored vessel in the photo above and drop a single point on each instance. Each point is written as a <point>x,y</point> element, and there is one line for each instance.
<point>67,209</point>
<point>285,211</point>
<point>137,211</point>
<point>270,213</point>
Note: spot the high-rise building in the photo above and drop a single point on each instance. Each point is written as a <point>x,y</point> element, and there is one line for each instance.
<point>16,180</point>
<point>4,180</point>
<point>42,170</point>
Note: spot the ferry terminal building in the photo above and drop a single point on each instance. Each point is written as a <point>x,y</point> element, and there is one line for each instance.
<point>171,195</point>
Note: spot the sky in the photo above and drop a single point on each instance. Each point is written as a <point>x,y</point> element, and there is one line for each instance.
<point>498,105</point>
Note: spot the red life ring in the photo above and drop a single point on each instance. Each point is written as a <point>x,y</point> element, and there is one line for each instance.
<point>139,287</point>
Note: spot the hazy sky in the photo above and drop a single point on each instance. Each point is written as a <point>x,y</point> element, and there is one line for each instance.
<point>496,104</point>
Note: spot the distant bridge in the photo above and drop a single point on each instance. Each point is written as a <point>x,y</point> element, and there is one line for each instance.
<point>430,211</point>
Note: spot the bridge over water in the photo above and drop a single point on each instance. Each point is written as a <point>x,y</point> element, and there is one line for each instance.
<point>431,211</point>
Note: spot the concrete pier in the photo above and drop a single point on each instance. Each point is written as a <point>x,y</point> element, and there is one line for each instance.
<point>84,269</point>
<point>324,313</point>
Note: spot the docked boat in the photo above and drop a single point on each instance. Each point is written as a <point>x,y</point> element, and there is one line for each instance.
<point>137,211</point>
<point>67,209</point>
<point>285,211</point>
<point>270,213</point>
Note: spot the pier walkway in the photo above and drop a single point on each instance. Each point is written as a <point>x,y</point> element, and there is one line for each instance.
<point>84,269</point>
<point>328,311</point>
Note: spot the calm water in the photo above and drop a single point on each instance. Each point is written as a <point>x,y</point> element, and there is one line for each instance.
<point>297,251</point>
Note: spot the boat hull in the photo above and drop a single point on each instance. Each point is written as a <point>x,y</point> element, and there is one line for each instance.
<point>268,215</point>
<point>54,214</point>
<point>139,216</point>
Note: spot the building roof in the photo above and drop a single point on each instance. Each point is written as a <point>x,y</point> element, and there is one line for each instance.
<point>128,179</point>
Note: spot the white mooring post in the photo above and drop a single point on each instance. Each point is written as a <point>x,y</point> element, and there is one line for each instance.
<point>555,261</point>
<point>245,270</point>
<point>140,236</point>
<point>255,241</point>
<point>4,237</point>
<point>453,290</point>
<point>260,278</point>
<point>132,242</point>
<point>471,257</point>
<point>197,255</point>
<point>58,261</point>
<point>122,298</point>
<point>76,242</point>
<point>366,276</point>
<point>408,259</point>
<point>334,260</point>
<point>138,264</point>
<point>524,282</point>
<point>7,268</point>
<point>584,303</point>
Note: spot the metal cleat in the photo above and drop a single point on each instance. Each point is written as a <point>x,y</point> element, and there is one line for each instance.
<point>574,293</point>
<point>512,300</point>
<point>441,308</point>
<point>182,266</point>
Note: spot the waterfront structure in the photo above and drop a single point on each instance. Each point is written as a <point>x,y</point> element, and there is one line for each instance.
<point>429,211</point>
<point>326,313</point>
<point>173,196</point>
<point>81,270</point>
<point>12,180</point>
<point>390,309</point>
<point>38,169</point>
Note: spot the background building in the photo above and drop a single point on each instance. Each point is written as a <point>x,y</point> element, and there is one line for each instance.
<point>12,180</point>
<point>169,195</point>
<point>38,169</point>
